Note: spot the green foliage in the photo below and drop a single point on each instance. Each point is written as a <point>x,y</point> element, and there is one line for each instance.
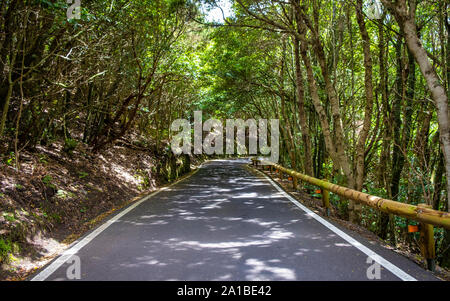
<point>56,217</point>
<point>11,159</point>
<point>144,179</point>
<point>53,216</point>
<point>82,174</point>
<point>5,249</point>
<point>70,145</point>
<point>47,180</point>
<point>9,216</point>
<point>43,158</point>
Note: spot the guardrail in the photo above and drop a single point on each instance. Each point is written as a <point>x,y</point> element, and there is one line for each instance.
<point>422,213</point>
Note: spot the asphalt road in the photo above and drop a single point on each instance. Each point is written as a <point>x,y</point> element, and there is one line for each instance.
<point>226,223</point>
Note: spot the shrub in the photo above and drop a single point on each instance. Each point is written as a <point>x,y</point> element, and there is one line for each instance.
<point>70,145</point>
<point>5,249</point>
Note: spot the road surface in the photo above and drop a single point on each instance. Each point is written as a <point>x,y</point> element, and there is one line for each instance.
<point>226,222</point>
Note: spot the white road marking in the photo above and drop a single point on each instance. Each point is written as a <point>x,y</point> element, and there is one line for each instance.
<point>65,256</point>
<point>383,262</point>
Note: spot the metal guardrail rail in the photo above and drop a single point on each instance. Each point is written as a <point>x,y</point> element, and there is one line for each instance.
<point>422,213</point>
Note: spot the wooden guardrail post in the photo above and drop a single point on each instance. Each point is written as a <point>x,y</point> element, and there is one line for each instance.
<point>427,245</point>
<point>294,182</point>
<point>326,201</point>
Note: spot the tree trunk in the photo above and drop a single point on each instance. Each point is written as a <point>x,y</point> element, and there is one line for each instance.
<point>301,110</point>
<point>368,87</point>
<point>339,139</point>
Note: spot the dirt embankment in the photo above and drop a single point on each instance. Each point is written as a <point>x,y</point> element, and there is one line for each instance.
<point>56,196</point>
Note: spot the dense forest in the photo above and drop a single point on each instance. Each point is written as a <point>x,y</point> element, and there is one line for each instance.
<point>360,87</point>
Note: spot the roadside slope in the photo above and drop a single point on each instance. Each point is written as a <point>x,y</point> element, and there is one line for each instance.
<point>56,197</point>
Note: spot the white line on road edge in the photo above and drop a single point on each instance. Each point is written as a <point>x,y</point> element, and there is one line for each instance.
<point>383,262</point>
<point>66,255</point>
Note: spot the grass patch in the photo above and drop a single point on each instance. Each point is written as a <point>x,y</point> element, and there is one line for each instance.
<point>9,216</point>
<point>47,180</point>
<point>82,174</point>
<point>7,249</point>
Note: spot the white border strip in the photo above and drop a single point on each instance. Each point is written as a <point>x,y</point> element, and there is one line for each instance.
<point>383,262</point>
<point>66,255</point>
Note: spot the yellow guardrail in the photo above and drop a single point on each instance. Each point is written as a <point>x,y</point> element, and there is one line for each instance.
<point>422,213</point>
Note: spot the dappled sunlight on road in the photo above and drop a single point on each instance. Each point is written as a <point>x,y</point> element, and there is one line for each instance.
<point>223,223</point>
<point>261,271</point>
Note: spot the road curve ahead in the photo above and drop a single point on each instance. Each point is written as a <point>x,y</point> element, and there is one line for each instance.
<point>226,223</point>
